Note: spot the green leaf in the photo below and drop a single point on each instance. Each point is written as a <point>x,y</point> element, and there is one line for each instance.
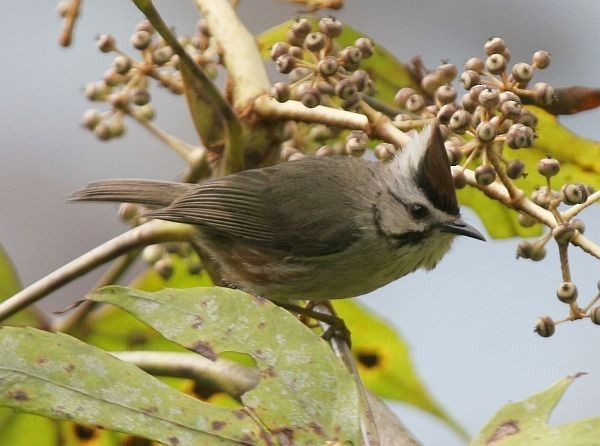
<point>384,362</point>
<point>60,377</point>
<point>525,423</point>
<point>388,73</point>
<point>579,162</point>
<point>11,284</point>
<point>304,390</point>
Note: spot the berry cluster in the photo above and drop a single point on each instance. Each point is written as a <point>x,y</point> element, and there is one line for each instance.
<point>125,85</point>
<point>321,73</point>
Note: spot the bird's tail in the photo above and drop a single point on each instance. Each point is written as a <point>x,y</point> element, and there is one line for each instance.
<point>148,192</point>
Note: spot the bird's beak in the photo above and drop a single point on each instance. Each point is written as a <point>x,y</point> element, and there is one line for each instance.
<point>460,227</point>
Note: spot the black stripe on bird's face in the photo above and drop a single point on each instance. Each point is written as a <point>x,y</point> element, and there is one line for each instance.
<point>434,177</point>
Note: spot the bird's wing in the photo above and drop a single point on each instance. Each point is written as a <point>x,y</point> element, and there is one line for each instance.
<point>303,208</point>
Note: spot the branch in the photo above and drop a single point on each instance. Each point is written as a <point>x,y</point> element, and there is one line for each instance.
<point>155,231</point>
<point>498,192</point>
<point>240,52</point>
<point>225,375</point>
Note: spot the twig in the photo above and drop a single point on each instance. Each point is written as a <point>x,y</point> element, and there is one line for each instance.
<point>342,351</point>
<point>383,128</point>
<point>78,316</point>
<point>498,192</point>
<point>225,375</point>
<point>66,36</point>
<point>576,209</point>
<point>155,231</point>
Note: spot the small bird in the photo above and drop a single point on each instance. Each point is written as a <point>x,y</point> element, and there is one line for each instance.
<point>316,228</point>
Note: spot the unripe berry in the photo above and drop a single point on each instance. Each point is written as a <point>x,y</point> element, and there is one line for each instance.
<point>494,45</point>
<point>485,175</point>
<point>431,82</point>
<point>402,95</point>
<point>164,267</point>
<point>350,56</point>
<point>117,128</point>
<point>315,41</point>
<point>496,63</point>
<point>128,211</point>
<point>141,40</point>
<point>162,55</point>
<point>330,26</point>
<point>567,292</point>
<point>527,118</point>
<point>595,315</point>
<point>325,151</point>
<point>445,94</point>
<point>121,64</point>
<point>469,79</point>
<point>542,196</point>
<point>475,64</point>
<point>526,220</point>
<point>139,96</point>
<point>485,131</point>
<point>360,78</point>
<point>328,66</point>
<point>510,109</point>
<point>414,103</point>
<point>301,28</point>
<point>515,169</point>
<point>355,147</point>
<point>468,103</point>
<point>280,91</point>
<point>447,71</point>
<point>119,100</point>
<point>459,121</point>
<point>541,59</point>
<point>563,233</point>
<point>293,39</point>
<point>385,151</point>
<point>460,179</point>
<point>533,251</point>
<point>548,167</point>
<point>501,124</point>
<point>345,88</point>
<point>545,327</point>
<point>279,49</point>
<point>509,96</point>
<point>365,46</point>
<point>326,88</point>
<point>145,112</point>
<point>519,136</point>
<point>522,72</point>
<point>102,131</point>
<point>489,98</point>
<point>580,226</point>
<point>445,113</point>
<point>106,43</point>
<point>544,93</point>
<point>296,52</point>
<point>91,118</point>
<point>152,253</point>
<point>285,63</point>
<point>574,193</point>
<point>309,95</point>
<point>351,103</point>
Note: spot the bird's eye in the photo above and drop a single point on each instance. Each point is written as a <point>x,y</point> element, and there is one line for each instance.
<point>418,211</point>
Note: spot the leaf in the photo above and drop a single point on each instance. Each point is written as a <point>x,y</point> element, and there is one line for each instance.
<point>11,284</point>
<point>60,377</point>
<point>579,160</point>
<point>525,423</point>
<point>388,73</point>
<point>304,390</point>
<point>384,362</point>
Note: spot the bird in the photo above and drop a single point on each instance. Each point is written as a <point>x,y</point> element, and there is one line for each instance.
<point>316,228</point>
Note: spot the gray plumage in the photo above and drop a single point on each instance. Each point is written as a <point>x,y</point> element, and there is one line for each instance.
<point>315,228</point>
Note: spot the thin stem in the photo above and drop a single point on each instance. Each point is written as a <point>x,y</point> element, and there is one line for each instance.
<point>589,306</point>
<point>182,148</point>
<point>222,374</point>
<point>66,35</point>
<point>233,160</point>
<point>381,106</point>
<point>155,231</point>
<point>576,209</point>
<point>411,124</point>
<point>78,316</point>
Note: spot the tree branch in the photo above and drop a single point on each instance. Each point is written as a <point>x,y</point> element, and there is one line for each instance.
<point>155,231</point>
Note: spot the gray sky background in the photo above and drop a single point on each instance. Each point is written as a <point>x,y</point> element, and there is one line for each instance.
<point>469,322</point>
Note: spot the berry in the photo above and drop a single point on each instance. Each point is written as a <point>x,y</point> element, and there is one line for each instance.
<point>279,49</point>
<point>548,167</point>
<point>402,95</point>
<point>328,66</point>
<point>496,63</point>
<point>365,46</point>
<point>285,63</point>
<point>162,55</point>
<point>360,78</point>
<point>445,94</point>
<point>91,118</point>
<point>301,28</point>
<point>325,151</point>
<point>431,82</point>
<point>519,136</point>
<point>447,72</point>
<point>469,79</point>
<point>414,103</point>
<point>563,233</point>
<point>566,292</point>
<point>280,91</point>
<point>385,151</point>
<point>330,26</point>
<point>580,226</point>
<point>121,64</point>
<point>574,193</point>
<point>468,103</point>
<point>526,221</point>
<point>345,88</point>
<point>460,179</point>
<point>310,96</point>
<point>541,59</point>
<point>445,113</point>
<point>140,40</point>
<point>522,72</point>
<point>459,121</point>
<point>489,98</point>
<point>164,268</point>
<point>106,43</point>
<point>102,131</point>
<point>544,326</point>
<point>515,169</point>
<point>475,64</point>
<point>494,45</point>
<point>350,56</point>
<point>486,132</point>
<point>544,93</point>
<point>595,315</point>
<point>527,118</point>
<point>510,109</point>
<point>139,96</point>
<point>315,41</point>
<point>485,175</point>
